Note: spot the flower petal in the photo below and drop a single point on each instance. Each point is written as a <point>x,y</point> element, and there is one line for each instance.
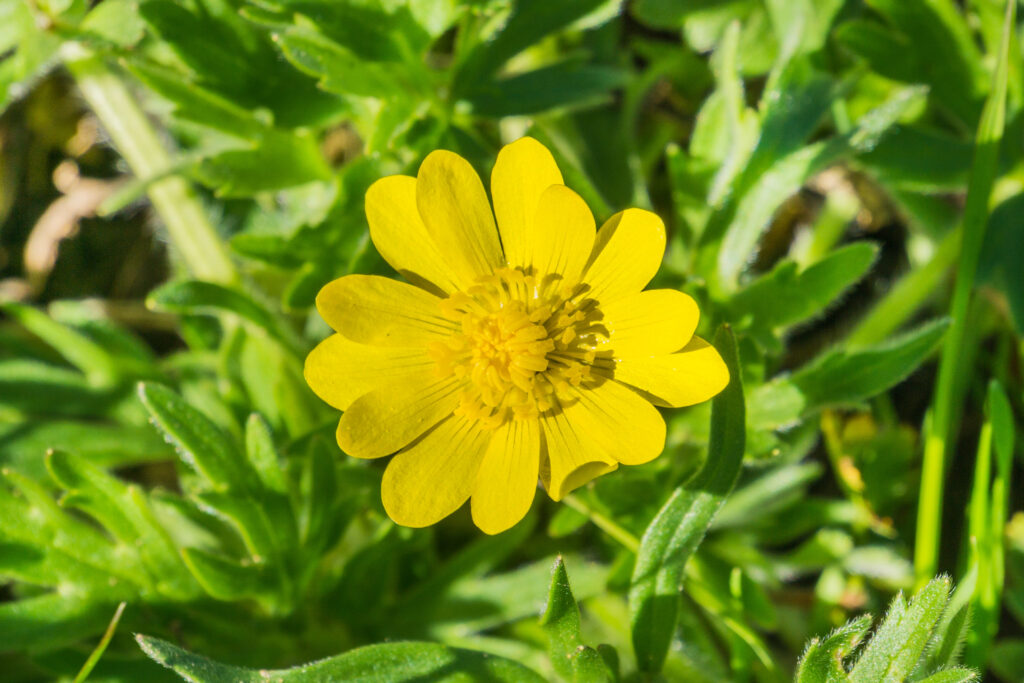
<point>629,428</point>
<point>390,417</point>
<point>574,455</point>
<point>649,323</point>
<point>377,310</point>
<point>507,480</point>
<point>400,235</point>
<point>453,204</point>
<point>690,376</point>
<point>628,252</point>
<point>523,170</point>
<point>340,370</point>
<point>561,235</point>
<point>433,477</point>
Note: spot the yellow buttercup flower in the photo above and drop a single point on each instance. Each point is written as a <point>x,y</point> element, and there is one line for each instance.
<point>519,352</point>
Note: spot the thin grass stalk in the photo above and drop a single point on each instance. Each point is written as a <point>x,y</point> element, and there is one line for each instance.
<point>941,428</point>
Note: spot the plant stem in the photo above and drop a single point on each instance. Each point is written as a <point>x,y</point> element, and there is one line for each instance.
<point>941,428</point>
<point>602,522</point>
<point>174,199</point>
<point>94,658</point>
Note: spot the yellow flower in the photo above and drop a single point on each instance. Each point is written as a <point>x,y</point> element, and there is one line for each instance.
<point>519,352</point>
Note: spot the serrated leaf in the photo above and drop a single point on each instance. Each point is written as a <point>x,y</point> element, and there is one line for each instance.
<point>403,662</point>
<point>680,525</point>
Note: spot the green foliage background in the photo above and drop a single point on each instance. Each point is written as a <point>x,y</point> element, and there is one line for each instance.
<point>178,178</point>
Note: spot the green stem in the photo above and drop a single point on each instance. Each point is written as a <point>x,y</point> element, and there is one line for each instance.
<point>602,522</point>
<point>133,135</point>
<point>945,403</point>
<point>94,658</point>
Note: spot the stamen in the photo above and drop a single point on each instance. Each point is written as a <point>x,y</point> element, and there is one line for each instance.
<point>523,342</point>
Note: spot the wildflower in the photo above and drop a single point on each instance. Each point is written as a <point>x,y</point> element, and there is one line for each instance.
<point>519,352</point>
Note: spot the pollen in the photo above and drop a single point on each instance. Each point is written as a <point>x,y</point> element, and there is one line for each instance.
<point>523,342</point>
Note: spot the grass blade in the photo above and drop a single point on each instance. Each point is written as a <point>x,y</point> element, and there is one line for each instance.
<point>941,429</point>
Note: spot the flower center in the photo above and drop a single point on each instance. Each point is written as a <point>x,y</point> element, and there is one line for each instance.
<point>523,342</point>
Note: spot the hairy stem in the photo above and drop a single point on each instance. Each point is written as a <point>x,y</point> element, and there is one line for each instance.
<point>174,199</point>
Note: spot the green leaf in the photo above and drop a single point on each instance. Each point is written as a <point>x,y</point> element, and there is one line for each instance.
<point>785,296</point>
<point>237,60</point>
<point>125,513</point>
<point>940,51</point>
<point>259,447</point>
<point>319,494</point>
<point>105,445</point>
<point>29,386</point>
<point>201,444</point>
<point>101,647</point>
<point>530,21</point>
<point>116,22</point>
<point>919,160</point>
<point>385,663</point>
<point>955,675</point>
<point>781,163</point>
<point>951,631</point>
<point>225,579</point>
<point>99,366</point>
<point>822,661</point>
<point>278,160</point>
<point>28,50</point>
<point>841,377</point>
<point>338,69</point>
<point>769,493</point>
<point>561,622</point>
<point>894,650</point>
<point>559,86</point>
<point>680,525</point>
